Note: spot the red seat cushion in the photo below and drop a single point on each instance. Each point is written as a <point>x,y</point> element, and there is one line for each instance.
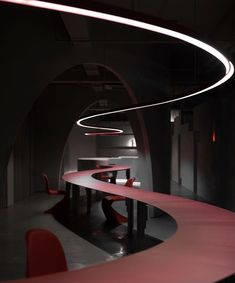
<point>45,254</point>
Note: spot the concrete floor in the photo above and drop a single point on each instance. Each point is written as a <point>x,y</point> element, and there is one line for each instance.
<point>16,220</point>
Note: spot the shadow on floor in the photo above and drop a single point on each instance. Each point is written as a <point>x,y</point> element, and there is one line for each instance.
<point>109,237</point>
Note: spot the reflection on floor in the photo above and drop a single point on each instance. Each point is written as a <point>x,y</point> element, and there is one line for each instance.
<point>16,220</point>
<point>109,237</point>
<point>27,214</point>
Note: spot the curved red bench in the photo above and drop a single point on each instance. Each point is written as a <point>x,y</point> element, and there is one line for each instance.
<point>201,250</point>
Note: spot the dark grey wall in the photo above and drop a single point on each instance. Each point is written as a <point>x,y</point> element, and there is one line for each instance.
<point>215,162</point>
<point>207,167</point>
<point>23,159</point>
<point>187,159</point>
<point>77,145</point>
<point>36,48</point>
<point>159,135</point>
<point>54,115</point>
<point>206,152</point>
<point>182,160</point>
<point>228,152</point>
<point>149,78</point>
<point>114,146</point>
<point>174,159</point>
<point>32,57</point>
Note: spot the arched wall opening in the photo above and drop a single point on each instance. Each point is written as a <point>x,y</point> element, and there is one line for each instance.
<point>122,149</point>
<point>40,143</point>
<point>147,76</point>
<point>108,88</point>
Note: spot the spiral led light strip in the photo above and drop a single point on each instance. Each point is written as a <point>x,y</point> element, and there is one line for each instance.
<point>229,69</point>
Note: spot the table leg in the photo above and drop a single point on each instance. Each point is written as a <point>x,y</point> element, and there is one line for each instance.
<point>142,213</point>
<point>89,199</point>
<point>130,212</point>
<point>128,173</point>
<point>76,198</point>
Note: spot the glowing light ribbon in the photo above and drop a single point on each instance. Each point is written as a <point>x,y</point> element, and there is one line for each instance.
<point>229,68</point>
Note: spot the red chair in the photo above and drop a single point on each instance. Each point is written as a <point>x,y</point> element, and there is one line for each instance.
<point>51,191</point>
<point>44,253</point>
<point>59,208</point>
<point>106,176</point>
<point>111,214</point>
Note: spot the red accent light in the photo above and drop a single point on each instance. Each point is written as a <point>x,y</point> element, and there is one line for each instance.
<point>213,136</point>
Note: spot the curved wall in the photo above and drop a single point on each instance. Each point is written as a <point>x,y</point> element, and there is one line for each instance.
<point>37,49</point>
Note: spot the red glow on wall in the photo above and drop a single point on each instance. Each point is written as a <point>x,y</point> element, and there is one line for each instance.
<point>213,136</point>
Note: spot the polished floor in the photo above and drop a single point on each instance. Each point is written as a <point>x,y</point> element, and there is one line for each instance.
<point>15,221</point>
<point>97,243</point>
<point>110,237</point>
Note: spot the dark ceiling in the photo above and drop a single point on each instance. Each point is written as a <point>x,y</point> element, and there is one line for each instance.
<point>190,69</point>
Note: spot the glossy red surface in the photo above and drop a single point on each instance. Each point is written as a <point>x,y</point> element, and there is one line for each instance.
<point>201,250</point>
